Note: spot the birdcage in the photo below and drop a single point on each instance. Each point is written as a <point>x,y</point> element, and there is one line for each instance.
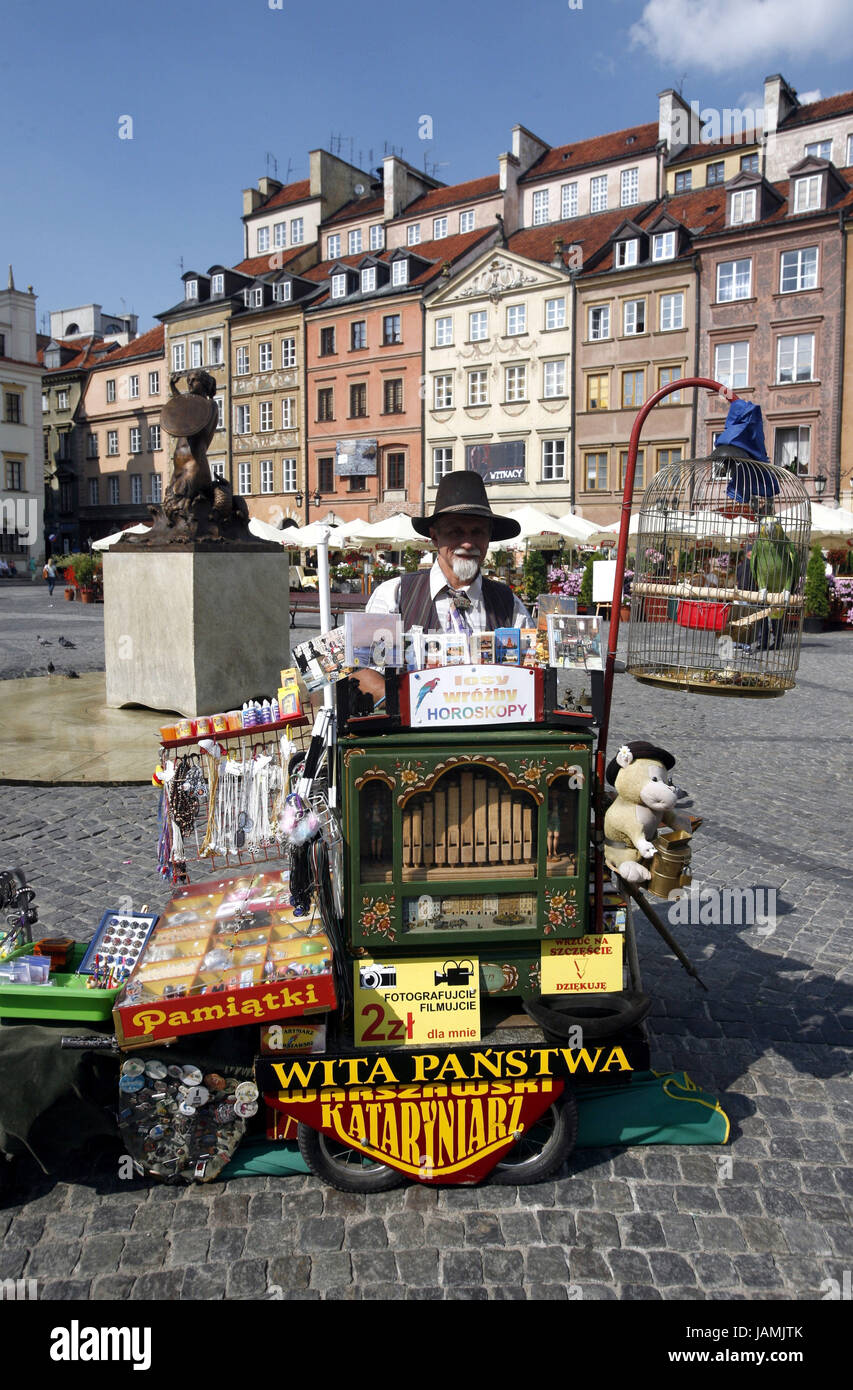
<point>720,562</point>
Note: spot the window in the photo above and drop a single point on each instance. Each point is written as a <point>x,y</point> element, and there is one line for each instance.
<point>629,187</point>
<point>279,234</point>
<point>715,173</point>
<point>358,400</point>
<point>288,352</point>
<point>633,317</point>
<point>354,241</point>
<point>516,320</point>
<point>377,238</point>
<point>264,357</point>
<point>256,297</point>
<point>217,286</point>
<point>115,496</point>
<point>665,376</point>
<point>442,462</point>
<point>598,392</point>
<point>156,493</point>
<point>288,475</point>
<point>333,247</point>
<point>413,234</point>
<point>339,286</point>
<point>807,193</point>
<point>282,291</point>
<point>287,413</point>
<point>633,388</point>
<point>515,379</point>
<point>214,350</point>
<point>466,221</point>
<point>179,357</point>
<point>196,353</point>
<point>391,330</point>
<point>795,357</point>
<point>14,476</point>
<point>112,442</point>
<point>92,446</point>
<point>599,323</point>
<point>596,472</point>
<point>554,379</point>
<point>627,252</point>
<point>65,444</point>
<point>357,484</point>
<point>244,478</point>
<point>46,446</point>
<point>395,477</point>
<point>663,246</point>
<point>555,313</point>
<point>368,279</point>
<point>326,403</point>
<point>62,396</point>
<point>400,273</point>
<point>569,200</point>
<point>749,163</point>
<point>153,383</point>
<point>191,289</point>
<point>442,397</point>
<point>219,402</point>
<point>264,416</point>
<point>443,332</point>
<point>111,390</point>
<point>821,149</point>
<point>266,475</point>
<point>327,342</point>
<point>263,239</point>
<point>439,228</point>
<point>671,312</point>
<point>639,468</point>
<point>478,388</point>
<point>668,456</point>
<point>792,449</point>
<point>799,270</point>
<point>478,325</point>
<point>598,193</point>
<point>297,231</point>
<point>742,207</point>
<point>153,439</point>
<point>94,491</point>
<point>326,475</point>
<point>684,181</point>
<point>848,161</point>
<point>734,280</point>
<point>45,402</point>
<point>358,335</point>
<point>553,460</point>
<point>66,497</point>
<point>731,364</point>
<point>136,488</point>
<point>392,396</point>
<point>242,419</point>
<point>217,468</point>
<point>541,207</point>
<point>242,362</point>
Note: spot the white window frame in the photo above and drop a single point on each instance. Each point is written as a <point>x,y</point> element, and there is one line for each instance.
<point>627,252</point>
<point>135,439</point>
<point>629,187</point>
<point>242,419</point>
<point>368,279</point>
<point>802,448</point>
<point>339,287</point>
<point>444,331</point>
<point>287,412</point>
<point>136,489</point>
<point>333,246</point>
<point>196,352</point>
<point>179,357</point>
<point>516,320</point>
<point>515,383</point>
<point>132,389</point>
<point>115,491</point>
<point>153,383</point>
<point>478,387</point>
<point>555,314</point>
<point>217,284</point>
<point>297,231</point>
<point>92,446</point>
<point>288,475</point>
<point>265,357</point>
<point>266,475</point>
<point>94,491</point>
<point>742,206</point>
<point>439,228</point>
<point>796,339</point>
<point>541,207</point>
<point>288,352</point>
<point>217,468</point>
<point>413,234</point>
<point>156,487</point>
<point>265,421</point>
<point>734,376</point>
<point>111,389</point>
<point>603,312</point>
<point>154,439</point>
<point>256,297</point>
<point>262,240</point>
<point>354,241</point>
<point>219,402</point>
<point>672,309</point>
<point>400,272</point>
<point>553,460</point>
<point>377,237</point>
<point>442,462</point>
<point>282,291</point>
<point>598,193</point>
<point>244,478</point>
<point>442,391</point>
<point>731,282</point>
<point>242,362</point>
<point>482,320</point>
<point>467,221</point>
<point>663,246</point>
<point>191,289</point>
<point>806,275</point>
<point>62,397</point>
<point>633,317</point>
<point>820,149</point>
<point>554,378</point>
<point>568,200</point>
<point>112,443</point>
<point>807,193</point>
<point>279,234</point>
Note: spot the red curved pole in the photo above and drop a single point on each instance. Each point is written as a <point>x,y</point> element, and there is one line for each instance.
<point>716,388</point>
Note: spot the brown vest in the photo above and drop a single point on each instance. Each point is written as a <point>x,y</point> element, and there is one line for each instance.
<point>418,609</point>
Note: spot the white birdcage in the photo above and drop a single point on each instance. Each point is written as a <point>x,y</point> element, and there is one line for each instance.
<point>720,565</point>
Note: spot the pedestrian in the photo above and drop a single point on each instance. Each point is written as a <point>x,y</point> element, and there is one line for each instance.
<point>49,573</point>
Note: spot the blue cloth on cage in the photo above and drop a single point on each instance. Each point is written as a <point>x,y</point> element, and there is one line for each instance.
<point>744,429</point>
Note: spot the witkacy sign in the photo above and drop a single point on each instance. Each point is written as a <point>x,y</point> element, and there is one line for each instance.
<point>453,698</point>
<point>417,1001</point>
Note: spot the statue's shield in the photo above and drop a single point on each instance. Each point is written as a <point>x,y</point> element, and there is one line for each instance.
<point>187,415</point>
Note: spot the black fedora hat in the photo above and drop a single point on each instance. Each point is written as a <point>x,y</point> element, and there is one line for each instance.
<point>465,492</point>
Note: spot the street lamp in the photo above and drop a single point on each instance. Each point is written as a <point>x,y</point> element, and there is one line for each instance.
<point>297,497</point>
<point>820,485</point>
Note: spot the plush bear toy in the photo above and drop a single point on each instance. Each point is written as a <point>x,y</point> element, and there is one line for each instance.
<point>645,797</point>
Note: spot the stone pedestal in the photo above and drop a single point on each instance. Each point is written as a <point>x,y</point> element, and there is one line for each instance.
<point>194,631</point>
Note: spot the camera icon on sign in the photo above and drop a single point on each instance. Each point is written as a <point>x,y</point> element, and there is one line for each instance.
<point>377,976</point>
<point>455,972</point>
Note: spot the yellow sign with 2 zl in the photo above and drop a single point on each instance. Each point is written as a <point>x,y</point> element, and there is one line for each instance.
<point>417,1001</point>
<point>583,965</point>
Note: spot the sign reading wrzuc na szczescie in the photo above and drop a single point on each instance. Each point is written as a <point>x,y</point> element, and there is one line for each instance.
<point>583,965</point>
<point>356,458</point>
<point>501,462</point>
<point>417,1001</point>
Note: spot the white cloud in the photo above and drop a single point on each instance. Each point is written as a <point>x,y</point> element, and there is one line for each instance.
<point>721,35</point>
<point>805,97</point>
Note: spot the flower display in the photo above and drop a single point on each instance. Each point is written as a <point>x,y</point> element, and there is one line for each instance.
<point>564,581</point>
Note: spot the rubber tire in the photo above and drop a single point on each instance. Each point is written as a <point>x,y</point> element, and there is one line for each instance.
<point>563,1115</point>
<point>600,1016</point>
<point>346,1177</point>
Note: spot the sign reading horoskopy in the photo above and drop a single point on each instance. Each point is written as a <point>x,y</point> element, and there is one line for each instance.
<point>417,1001</point>
<point>456,697</point>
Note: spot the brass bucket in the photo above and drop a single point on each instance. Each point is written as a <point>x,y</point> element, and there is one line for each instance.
<point>670,868</point>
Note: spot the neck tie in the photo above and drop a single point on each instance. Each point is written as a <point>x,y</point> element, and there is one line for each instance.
<point>461,604</point>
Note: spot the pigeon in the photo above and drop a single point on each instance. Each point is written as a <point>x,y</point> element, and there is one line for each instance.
<point>64,642</point>
<point>44,641</point>
<point>50,668</point>
<point>72,675</point>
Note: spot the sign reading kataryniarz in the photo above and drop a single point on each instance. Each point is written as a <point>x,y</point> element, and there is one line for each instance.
<point>484,1064</point>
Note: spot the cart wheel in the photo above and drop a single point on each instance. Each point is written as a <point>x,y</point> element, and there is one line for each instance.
<point>542,1149</point>
<point>599,1016</point>
<point>344,1168</point>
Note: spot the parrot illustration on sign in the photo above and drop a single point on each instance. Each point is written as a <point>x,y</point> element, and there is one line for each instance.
<point>425,690</point>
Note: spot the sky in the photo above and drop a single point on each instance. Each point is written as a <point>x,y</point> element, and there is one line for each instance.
<point>216,90</point>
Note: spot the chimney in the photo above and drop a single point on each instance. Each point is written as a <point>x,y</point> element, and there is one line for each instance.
<point>251,200</point>
<point>557,262</point>
<point>678,123</point>
<point>779,101</point>
<point>267,187</point>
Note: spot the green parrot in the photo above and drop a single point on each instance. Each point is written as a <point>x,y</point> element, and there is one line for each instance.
<point>774,562</point>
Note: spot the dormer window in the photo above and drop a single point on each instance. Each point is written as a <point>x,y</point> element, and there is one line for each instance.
<point>400,273</point>
<point>339,286</point>
<point>253,298</point>
<point>627,252</point>
<point>368,279</point>
<point>663,246</point>
<point>742,207</point>
<point>191,290</point>
<point>283,291</point>
<point>217,284</point>
<point>807,193</point>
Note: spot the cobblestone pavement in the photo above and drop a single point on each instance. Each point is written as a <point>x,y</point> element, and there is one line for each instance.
<point>771,1039</point>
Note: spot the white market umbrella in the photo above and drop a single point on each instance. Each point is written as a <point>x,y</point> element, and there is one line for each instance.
<point>542,530</point>
<point>830,525</point>
<point>308,537</point>
<point>106,541</point>
<point>395,532</point>
<point>265,531</point>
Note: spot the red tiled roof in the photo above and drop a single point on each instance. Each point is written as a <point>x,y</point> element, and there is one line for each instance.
<point>356,208</point>
<point>448,248</point>
<point>601,149</point>
<point>710,149</point>
<point>452,196</point>
<point>291,193</point>
<point>152,341</point>
<point>839,105</point>
<point>85,351</point>
<point>260,265</point>
<point>590,233</point>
